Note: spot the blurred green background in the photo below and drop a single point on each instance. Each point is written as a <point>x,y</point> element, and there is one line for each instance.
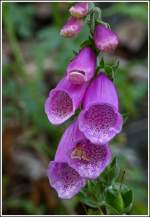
<point>34,60</point>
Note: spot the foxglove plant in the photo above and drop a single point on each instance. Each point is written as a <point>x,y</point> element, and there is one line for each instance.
<point>83,152</point>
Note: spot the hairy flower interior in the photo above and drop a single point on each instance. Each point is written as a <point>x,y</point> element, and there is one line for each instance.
<point>61,105</point>
<point>87,152</point>
<point>65,174</point>
<point>65,179</point>
<point>88,159</point>
<point>77,77</point>
<point>100,118</point>
<point>79,153</point>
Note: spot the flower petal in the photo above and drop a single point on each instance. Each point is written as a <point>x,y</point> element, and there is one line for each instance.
<point>100,120</point>
<point>64,179</point>
<point>100,123</point>
<point>71,28</point>
<point>79,10</point>
<point>105,39</point>
<point>63,101</point>
<point>82,67</point>
<point>89,160</point>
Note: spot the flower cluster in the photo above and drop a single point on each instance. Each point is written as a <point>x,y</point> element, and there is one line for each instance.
<point>83,152</point>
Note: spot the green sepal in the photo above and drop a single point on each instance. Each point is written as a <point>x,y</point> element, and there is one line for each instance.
<point>119,197</point>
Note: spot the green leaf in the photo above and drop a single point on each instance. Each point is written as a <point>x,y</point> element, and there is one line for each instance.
<point>91,5</point>
<point>109,70</point>
<point>111,173</point>
<point>125,117</point>
<point>102,63</point>
<point>120,197</point>
<point>115,66</point>
<point>128,200</point>
<point>114,199</point>
<point>103,23</point>
<point>86,43</point>
<point>88,199</point>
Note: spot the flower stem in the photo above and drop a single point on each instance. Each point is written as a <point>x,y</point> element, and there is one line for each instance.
<point>9,30</point>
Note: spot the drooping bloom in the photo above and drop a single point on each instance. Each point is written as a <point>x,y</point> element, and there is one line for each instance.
<point>79,10</point>
<point>100,120</point>
<point>105,39</point>
<point>66,181</point>
<point>88,159</point>
<point>72,27</point>
<point>82,67</point>
<point>63,101</point>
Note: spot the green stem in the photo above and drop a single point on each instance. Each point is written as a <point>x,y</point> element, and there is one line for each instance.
<point>11,36</point>
<point>56,14</point>
<point>122,177</point>
<point>101,211</point>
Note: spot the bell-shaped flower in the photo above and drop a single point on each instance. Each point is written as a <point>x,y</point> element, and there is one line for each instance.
<point>82,67</point>
<point>71,28</point>
<point>88,160</point>
<point>100,120</point>
<point>63,101</point>
<point>79,10</point>
<point>64,179</point>
<point>105,39</point>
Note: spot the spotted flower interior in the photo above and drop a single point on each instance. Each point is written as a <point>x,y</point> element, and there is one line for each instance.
<point>100,123</point>
<point>64,179</point>
<point>59,107</point>
<point>88,159</point>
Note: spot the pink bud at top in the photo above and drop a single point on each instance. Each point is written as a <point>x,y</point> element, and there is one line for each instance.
<point>71,28</point>
<point>79,10</point>
<point>82,67</point>
<point>105,39</point>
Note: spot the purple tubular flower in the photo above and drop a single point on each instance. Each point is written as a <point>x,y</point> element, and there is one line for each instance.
<point>82,68</point>
<point>63,101</point>
<point>100,120</point>
<point>71,28</point>
<point>105,39</point>
<point>86,158</point>
<point>79,10</point>
<point>66,181</point>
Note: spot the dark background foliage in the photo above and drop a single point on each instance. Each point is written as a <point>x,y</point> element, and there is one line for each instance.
<point>34,60</point>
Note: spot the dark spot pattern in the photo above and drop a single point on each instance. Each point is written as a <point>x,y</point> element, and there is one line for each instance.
<point>61,104</point>
<point>89,153</point>
<point>89,159</point>
<point>65,175</point>
<point>100,118</point>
